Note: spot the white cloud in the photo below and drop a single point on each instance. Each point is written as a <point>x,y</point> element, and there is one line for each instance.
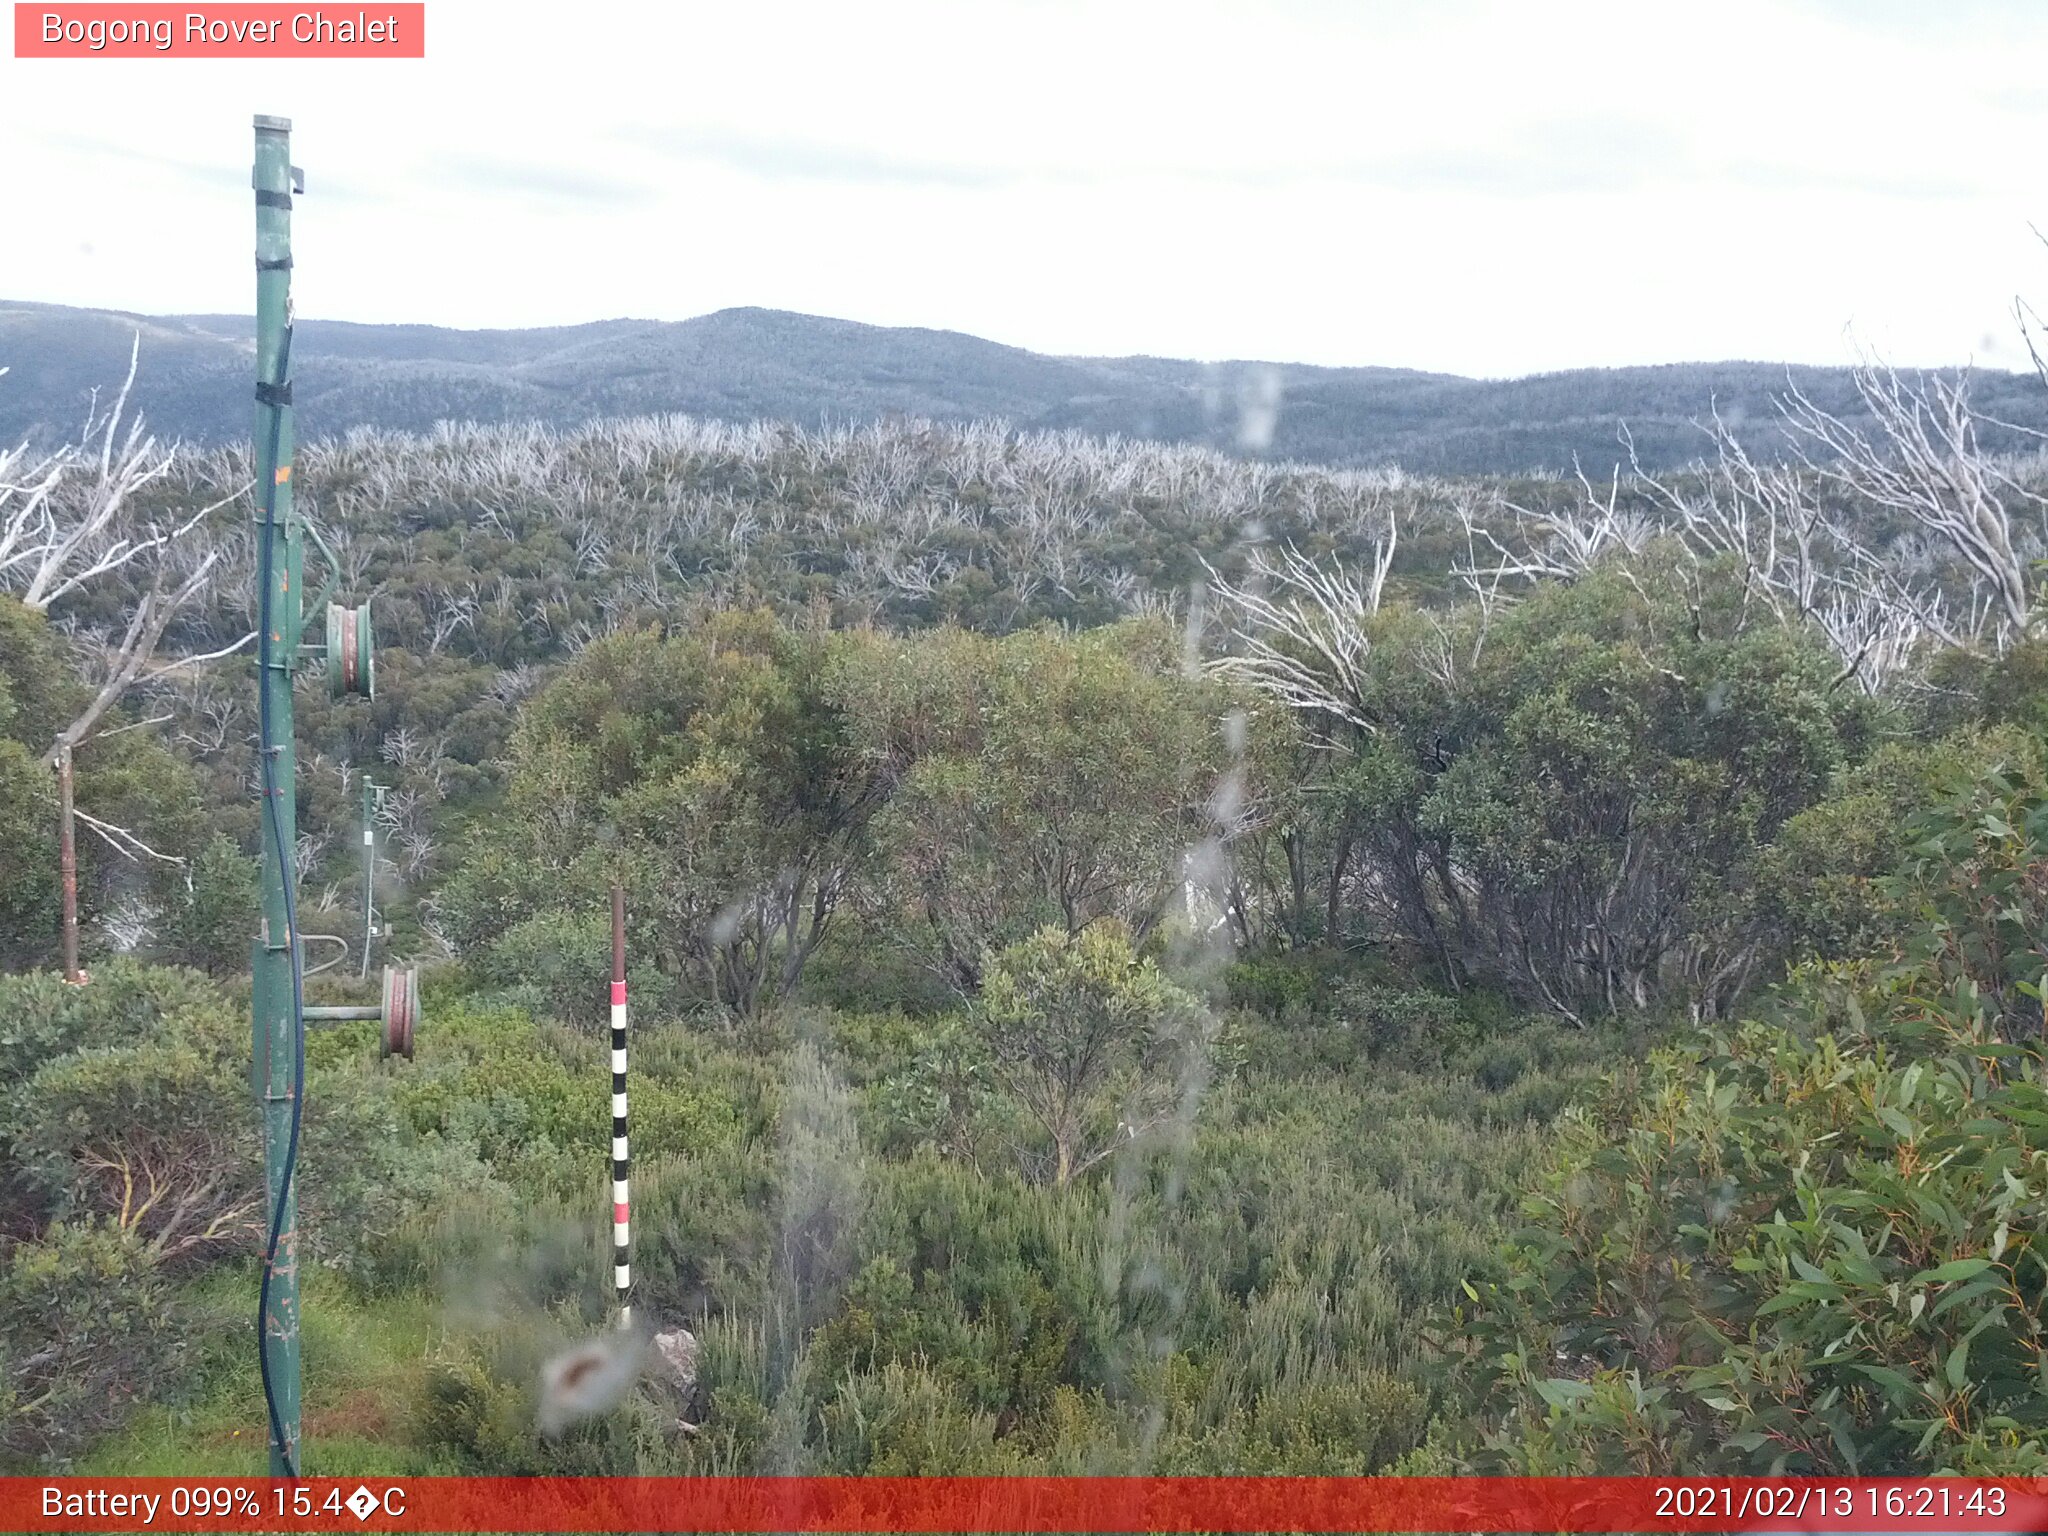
<point>1470,187</point>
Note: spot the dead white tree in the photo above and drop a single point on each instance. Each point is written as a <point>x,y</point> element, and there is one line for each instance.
<point>1876,640</point>
<point>1483,583</point>
<point>68,520</point>
<point>1799,565</point>
<point>1927,465</point>
<point>1306,644</point>
<point>919,575</point>
<point>1549,545</point>
<point>449,611</point>
<point>2033,327</point>
<point>1762,516</point>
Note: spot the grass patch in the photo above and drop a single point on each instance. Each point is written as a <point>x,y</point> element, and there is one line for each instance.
<point>362,1361</point>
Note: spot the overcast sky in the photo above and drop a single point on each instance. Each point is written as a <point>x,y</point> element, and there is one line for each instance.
<point>1476,188</point>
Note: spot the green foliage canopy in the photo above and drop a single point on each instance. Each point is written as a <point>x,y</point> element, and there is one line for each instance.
<point>1811,1243</point>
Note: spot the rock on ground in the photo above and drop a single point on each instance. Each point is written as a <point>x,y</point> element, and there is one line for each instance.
<point>673,1363</point>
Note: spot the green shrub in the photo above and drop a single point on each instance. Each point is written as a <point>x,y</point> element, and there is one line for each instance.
<point>365,1171</point>
<point>41,1018</point>
<point>873,1045</point>
<point>441,1245</point>
<point>534,1103</point>
<point>859,969</point>
<point>1268,985</point>
<point>562,960</point>
<point>1971,894</point>
<point>1092,1041</point>
<point>155,1134</point>
<point>480,1407</point>
<point>703,1230</point>
<point>943,1095</point>
<point>212,921</point>
<point>1414,1026</point>
<point>1822,881</point>
<point>1346,1424</point>
<point>1815,1244</point>
<point>88,1332</point>
<point>905,1420</point>
<point>1790,1256</point>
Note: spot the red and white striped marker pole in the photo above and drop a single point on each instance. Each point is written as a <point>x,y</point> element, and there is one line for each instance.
<point>622,1268</point>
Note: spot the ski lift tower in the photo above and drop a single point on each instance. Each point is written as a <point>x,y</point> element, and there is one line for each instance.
<point>278,971</point>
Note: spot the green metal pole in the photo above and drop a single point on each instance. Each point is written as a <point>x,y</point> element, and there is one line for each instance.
<point>369,869</point>
<point>277,961</point>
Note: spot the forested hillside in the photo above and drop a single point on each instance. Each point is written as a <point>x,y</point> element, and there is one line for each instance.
<point>744,365</point>
<point>1145,957</point>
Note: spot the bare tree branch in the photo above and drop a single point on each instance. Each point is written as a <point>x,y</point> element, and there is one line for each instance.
<point>1307,648</point>
<point>1928,467</point>
<point>124,842</point>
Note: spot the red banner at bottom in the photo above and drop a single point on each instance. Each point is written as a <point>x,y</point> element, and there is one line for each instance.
<point>1024,1504</point>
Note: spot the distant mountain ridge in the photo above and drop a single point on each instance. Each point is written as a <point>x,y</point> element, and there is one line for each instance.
<point>749,364</point>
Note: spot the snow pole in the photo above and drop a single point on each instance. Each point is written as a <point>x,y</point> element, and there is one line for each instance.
<point>622,1268</point>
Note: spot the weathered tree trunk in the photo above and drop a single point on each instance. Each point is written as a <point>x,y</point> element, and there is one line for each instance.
<point>1333,912</point>
<point>1292,841</point>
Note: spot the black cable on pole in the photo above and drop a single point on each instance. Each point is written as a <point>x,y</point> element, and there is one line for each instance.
<point>291,917</point>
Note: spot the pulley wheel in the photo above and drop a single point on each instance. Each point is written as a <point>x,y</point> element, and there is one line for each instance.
<point>351,665</point>
<point>401,1010</point>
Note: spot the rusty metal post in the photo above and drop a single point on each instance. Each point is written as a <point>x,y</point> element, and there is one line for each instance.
<point>67,862</point>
